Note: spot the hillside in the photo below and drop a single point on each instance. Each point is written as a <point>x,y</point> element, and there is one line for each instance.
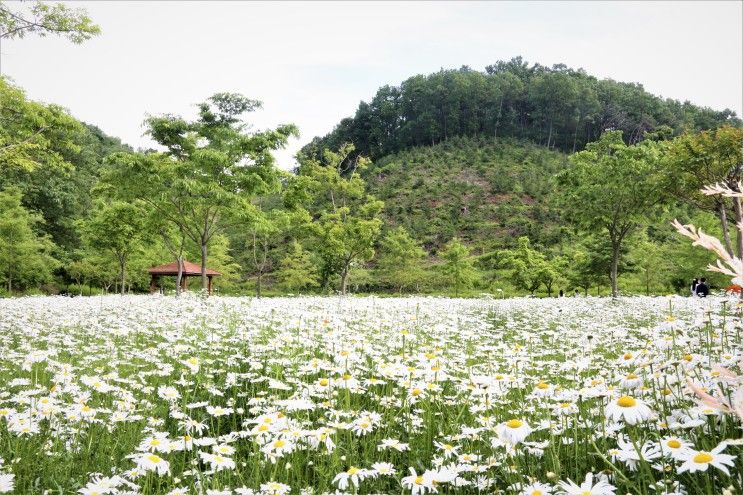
<point>471,153</point>
<point>486,191</point>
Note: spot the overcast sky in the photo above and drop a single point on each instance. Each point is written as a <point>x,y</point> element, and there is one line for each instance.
<point>311,63</point>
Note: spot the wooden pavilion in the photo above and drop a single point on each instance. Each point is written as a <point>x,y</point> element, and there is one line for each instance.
<point>171,270</point>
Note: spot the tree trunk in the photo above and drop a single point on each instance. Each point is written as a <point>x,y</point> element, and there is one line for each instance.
<point>258,284</point>
<point>549,137</point>
<point>738,221</point>
<point>615,245</point>
<point>725,230</point>
<point>179,276</point>
<point>204,281</point>
<point>647,282</point>
<point>344,280</point>
<point>122,265</point>
<point>10,284</point>
<point>497,120</point>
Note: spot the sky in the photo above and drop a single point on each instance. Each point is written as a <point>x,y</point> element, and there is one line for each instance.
<point>312,63</point>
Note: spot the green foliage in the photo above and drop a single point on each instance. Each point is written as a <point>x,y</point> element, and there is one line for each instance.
<point>697,160</point>
<point>44,19</point>
<point>530,269</point>
<point>458,266</point>
<point>400,260</point>
<point>211,169</point>
<point>612,188</point>
<point>117,228</point>
<point>555,106</point>
<point>345,219</point>
<point>297,270</point>
<point>487,192</point>
<point>25,256</point>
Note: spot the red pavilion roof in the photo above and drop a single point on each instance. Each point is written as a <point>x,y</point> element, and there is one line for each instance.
<point>188,269</point>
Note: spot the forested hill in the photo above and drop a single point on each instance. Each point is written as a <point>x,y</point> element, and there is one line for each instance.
<point>558,107</point>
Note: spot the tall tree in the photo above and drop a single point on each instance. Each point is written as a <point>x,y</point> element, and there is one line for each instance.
<point>529,268</point>
<point>116,227</point>
<point>612,188</point>
<point>697,160</point>
<point>346,220</point>
<point>458,265</point>
<point>25,256</point>
<point>212,168</point>
<point>297,270</point>
<point>400,259</point>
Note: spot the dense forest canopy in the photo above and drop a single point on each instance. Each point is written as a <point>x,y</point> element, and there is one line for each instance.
<point>557,107</point>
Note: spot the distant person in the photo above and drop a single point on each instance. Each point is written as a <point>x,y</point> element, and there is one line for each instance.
<point>702,288</point>
<point>694,284</point>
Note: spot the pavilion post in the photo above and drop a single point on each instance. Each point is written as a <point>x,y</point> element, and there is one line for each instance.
<point>184,282</point>
<point>153,284</point>
<point>210,284</point>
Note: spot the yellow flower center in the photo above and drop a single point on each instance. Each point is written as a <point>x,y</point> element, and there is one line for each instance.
<point>674,444</point>
<point>627,356</point>
<point>688,357</point>
<point>155,459</point>
<point>346,376</point>
<point>416,392</point>
<point>703,458</point>
<point>632,376</point>
<point>536,492</point>
<point>279,443</point>
<point>324,382</point>
<point>626,401</point>
<point>419,480</point>
<point>352,470</point>
<point>514,423</point>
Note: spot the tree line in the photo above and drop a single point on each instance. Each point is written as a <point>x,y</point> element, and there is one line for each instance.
<point>80,207</point>
<point>558,107</point>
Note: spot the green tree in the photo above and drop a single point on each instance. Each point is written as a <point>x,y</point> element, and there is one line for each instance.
<point>697,160</point>
<point>25,257</point>
<point>297,270</point>
<point>458,265</point>
<point>265,231</point>
<point>33,134</point>
<point>400,259</point>
<point>212,168</point>
<point>346,220</point>
<point>118,228</point>
<point>612,188</point>
<point>44,19</point>
<point>529,268</point>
